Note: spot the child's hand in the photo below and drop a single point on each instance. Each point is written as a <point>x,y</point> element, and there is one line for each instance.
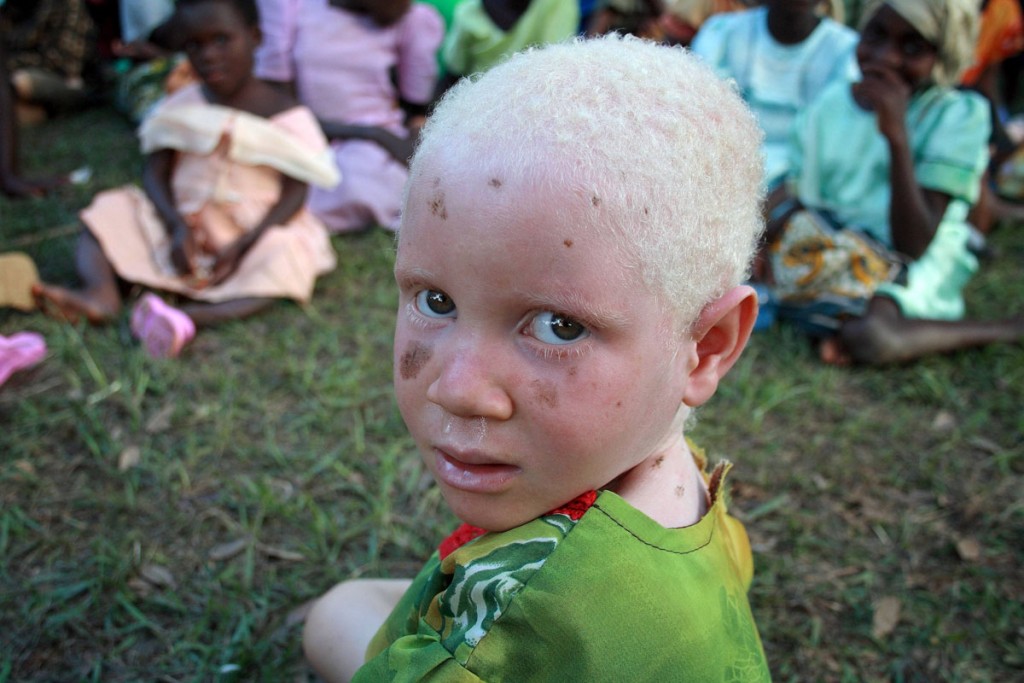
<point>888,96</point>
<point>229,258</point>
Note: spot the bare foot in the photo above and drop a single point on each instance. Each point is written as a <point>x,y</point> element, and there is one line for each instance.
<point>831,352</point>
<point>70,305</point>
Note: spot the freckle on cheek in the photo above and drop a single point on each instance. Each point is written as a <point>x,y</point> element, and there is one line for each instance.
<point>437,207</point>
<point>415,357</point>
<point>545,393</point>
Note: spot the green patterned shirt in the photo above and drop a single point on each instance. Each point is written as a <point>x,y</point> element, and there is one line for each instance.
<point>593,592</point>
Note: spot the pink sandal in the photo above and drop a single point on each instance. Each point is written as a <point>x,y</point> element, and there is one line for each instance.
<point>164,331</point>
<point>20,351</point>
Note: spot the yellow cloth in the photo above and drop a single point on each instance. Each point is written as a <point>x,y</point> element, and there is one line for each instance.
<point>950,25</point>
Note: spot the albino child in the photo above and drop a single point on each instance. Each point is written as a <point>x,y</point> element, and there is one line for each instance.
<point>221,220</point>
<point>569,293</point>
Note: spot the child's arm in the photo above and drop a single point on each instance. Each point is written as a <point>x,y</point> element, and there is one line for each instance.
<point>399,148</point>
<point>156,180</point>
<point>291,200</point>
<point>914,212</point>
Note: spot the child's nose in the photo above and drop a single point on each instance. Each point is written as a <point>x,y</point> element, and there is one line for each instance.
<point>886,52</point>
<point>469,384</point>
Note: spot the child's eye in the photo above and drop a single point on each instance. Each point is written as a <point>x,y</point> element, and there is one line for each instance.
<point>435,304</point>
<point>555,328</point>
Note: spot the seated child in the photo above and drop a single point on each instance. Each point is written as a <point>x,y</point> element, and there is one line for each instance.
<point>367,69</point>
<point>484,32</point>
<point>889,166</point>
<point>221,220</point>
<point>569,293</point>
<point>781,56</point>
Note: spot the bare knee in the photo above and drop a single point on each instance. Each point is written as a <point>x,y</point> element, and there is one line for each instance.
<point>341,624</point>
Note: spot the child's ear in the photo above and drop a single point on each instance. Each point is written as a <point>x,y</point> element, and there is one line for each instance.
<point>720,333</point>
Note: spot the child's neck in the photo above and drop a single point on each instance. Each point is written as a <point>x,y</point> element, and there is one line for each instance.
<point>505,13</point>
<point>253,96</point>
<point>666,487</point>
<point>789,28</point>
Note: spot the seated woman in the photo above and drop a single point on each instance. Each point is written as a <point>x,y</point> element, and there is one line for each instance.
<point>868,242</point>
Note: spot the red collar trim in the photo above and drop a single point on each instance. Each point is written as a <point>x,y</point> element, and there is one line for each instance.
<point>465,533</point>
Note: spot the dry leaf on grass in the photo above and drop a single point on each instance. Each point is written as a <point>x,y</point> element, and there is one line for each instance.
<point>969,549</point>
<point>225,551</point>
<point>887,615</point>
<point>129,458</point>
<point>160,421</point>
<point>157,575</point>
<point>25,467</point>
<point>944,421</point>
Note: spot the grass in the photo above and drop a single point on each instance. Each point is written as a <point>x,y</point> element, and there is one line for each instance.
<point>168,521</point>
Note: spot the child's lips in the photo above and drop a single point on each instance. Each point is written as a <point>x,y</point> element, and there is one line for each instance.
<point>472,471</point>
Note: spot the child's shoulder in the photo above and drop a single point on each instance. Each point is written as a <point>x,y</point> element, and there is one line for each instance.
<point>950,109</point>
<point>558,598</point>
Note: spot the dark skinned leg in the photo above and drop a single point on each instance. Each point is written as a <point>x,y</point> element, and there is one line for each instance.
<point>98,300</point>
<point>205,315</point>
<point>11,182</point>
<point>884,336</point>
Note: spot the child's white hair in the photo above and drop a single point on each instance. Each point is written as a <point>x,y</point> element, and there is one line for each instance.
<point>643,141</point>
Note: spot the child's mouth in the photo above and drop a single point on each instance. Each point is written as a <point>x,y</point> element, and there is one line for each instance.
<point>476,477</point>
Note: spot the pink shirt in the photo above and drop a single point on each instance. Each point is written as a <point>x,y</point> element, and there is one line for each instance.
<point>341,62</point>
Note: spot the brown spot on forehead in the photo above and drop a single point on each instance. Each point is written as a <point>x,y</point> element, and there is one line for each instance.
<point>415,357</point>
<point>545,393</point>
<point>595,200</point>
<point>680,490</point>
<point>495,182</point>
<point>567,243</point>
<point>437,207</point>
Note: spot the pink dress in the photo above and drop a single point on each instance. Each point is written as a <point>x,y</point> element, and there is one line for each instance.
<point>226,177</point>
<point>342,64</point>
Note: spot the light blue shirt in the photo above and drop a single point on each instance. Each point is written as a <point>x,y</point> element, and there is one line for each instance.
<point>776,80</point>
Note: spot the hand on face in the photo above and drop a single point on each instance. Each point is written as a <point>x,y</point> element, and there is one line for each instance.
<point>882,91</point>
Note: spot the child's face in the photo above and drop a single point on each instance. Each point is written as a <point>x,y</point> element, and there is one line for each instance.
<point>530,366</point>
<point>219,45</point>
<point>793,7</point>
<point>889,42</point>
